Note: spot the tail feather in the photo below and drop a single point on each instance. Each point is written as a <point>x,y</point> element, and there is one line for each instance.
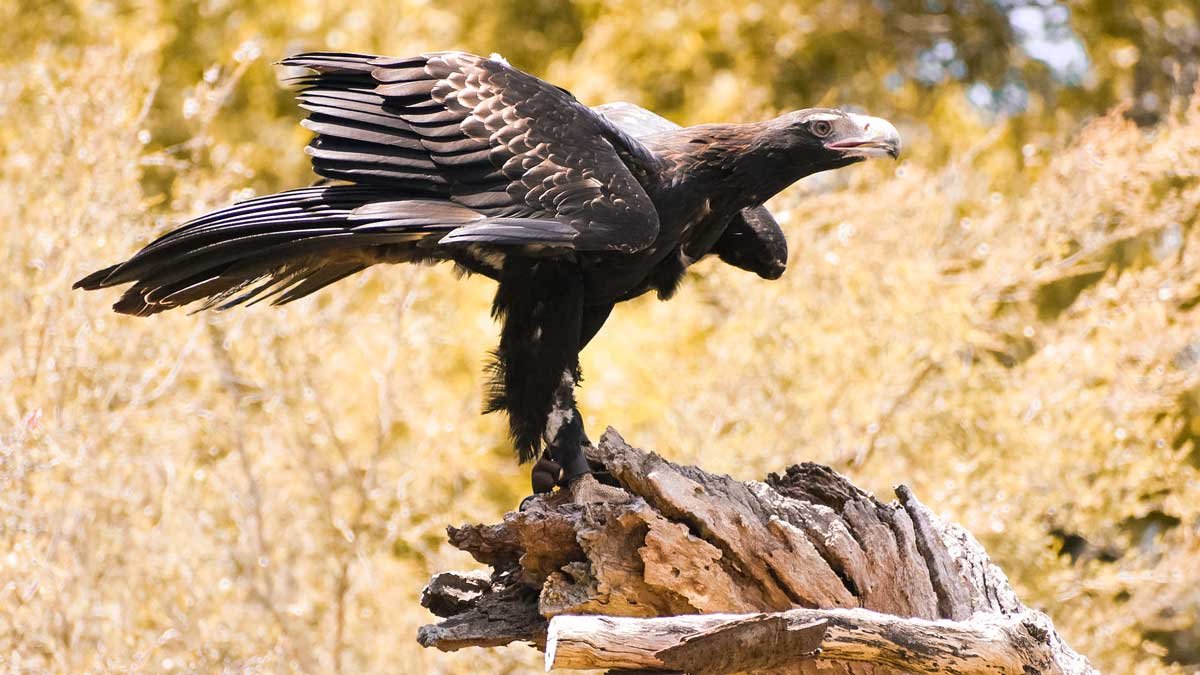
<point>97,279</point>
<point>281,247</point>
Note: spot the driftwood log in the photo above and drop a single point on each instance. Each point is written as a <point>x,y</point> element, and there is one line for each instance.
<point>655,567</point>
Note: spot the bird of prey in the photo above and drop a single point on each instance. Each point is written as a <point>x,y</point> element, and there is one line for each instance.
<point>453,157</point>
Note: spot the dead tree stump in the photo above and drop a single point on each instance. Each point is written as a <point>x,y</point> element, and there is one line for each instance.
<point>653,566</point>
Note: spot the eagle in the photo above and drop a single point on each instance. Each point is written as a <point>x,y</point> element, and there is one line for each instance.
<point>456,158</point>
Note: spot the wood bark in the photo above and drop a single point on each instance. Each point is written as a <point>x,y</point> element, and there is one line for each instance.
<point>655,566</point>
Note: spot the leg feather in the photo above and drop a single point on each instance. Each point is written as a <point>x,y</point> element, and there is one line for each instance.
<point>540,303</point>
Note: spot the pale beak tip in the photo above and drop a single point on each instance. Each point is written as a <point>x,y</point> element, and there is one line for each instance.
<point>879,136</point>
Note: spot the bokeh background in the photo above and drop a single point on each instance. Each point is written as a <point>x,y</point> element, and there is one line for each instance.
<point>1007,320</point>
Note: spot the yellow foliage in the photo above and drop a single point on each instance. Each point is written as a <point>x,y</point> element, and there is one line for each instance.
<point>267,489</point>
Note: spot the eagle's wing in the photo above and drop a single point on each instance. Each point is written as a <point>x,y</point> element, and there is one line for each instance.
<point>752,240</point>
<point>544,168</point>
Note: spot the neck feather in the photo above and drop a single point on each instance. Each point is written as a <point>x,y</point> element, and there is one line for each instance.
<point>738,164</point>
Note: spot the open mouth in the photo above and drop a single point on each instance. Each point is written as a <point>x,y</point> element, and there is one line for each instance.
<point>876,138</point>
<point>866,147</point>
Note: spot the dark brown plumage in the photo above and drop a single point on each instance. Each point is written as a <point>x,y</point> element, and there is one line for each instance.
<point>453,157</point>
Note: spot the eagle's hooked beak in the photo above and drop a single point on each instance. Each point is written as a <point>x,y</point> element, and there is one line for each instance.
<point>877,138</point>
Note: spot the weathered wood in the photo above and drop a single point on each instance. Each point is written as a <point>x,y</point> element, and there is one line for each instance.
<point>658,542</point>
<point>704,644</point>
<point>479,615</point>
<point>991,643</point>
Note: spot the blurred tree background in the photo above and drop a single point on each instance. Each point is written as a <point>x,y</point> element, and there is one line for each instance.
<point>1007,321</point>
<point>950,70</point>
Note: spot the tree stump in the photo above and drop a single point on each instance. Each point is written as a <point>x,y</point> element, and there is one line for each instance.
<point>653,566</point>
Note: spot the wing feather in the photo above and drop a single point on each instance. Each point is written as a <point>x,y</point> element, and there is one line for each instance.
<point>495,139</point>
<point>285,246</point>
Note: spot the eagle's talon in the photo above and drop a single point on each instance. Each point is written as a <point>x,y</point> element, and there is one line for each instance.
<point>570,457</point>
<point>545,475</point>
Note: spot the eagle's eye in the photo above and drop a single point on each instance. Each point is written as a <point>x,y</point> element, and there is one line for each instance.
<point>821,128</point>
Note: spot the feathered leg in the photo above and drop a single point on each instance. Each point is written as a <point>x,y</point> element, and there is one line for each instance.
<point>537,365</point>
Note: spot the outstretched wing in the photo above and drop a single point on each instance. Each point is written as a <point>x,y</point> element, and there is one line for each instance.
<point>546,169</point>
<point>752,240</point>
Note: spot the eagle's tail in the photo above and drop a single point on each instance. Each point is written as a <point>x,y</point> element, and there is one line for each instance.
<point>280,247</point>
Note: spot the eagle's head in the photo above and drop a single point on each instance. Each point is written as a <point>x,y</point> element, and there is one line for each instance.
<point>827,138</point>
